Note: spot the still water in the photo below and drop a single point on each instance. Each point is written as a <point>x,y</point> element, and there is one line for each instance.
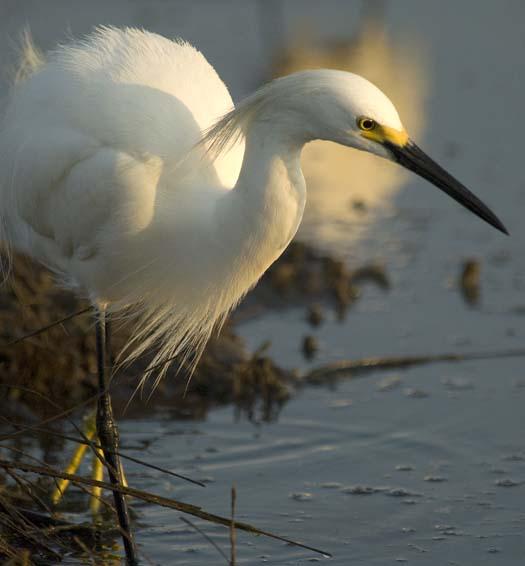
<point>423,466</point>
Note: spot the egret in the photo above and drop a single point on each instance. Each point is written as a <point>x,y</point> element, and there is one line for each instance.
<point>126,169</point>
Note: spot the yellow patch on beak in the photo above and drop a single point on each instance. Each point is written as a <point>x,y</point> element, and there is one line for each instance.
<point>382,134</point>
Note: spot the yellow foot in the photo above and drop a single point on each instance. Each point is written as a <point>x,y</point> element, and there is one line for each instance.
<point>97,473</point>
<point>90,432</point>
<point>97,468</point>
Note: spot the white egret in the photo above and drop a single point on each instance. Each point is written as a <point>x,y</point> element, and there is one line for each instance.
<point>125,169</point>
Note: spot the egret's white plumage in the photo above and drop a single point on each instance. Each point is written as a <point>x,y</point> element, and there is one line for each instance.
<point>91,183</point>
<point>106,176</point>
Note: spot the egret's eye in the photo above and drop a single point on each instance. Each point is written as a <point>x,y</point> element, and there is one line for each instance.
<point>366,124</point>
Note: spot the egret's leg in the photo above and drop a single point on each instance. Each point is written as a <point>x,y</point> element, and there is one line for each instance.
<point>109,367</point>
<point>97,473</point>
<point>76,459</point>
<point>108,434</point>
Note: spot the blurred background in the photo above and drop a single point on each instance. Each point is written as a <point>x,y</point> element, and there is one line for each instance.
<point>384,265</point>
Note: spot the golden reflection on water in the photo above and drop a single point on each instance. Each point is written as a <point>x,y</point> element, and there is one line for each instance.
<point>347,188</point>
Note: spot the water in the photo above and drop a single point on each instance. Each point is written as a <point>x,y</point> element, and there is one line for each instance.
<point>440,446</point>
<point>441,462</point>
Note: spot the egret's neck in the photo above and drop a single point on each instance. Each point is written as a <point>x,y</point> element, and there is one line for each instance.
<point>271,174</point>
<point>262,213</point>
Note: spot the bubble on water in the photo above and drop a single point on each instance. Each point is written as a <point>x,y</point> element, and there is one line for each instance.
<point>507,482</point>
<point>457,383</point>
<point>514,458</point>
<point>440,527</point>
<point>389,383</point>
<point>401,492</point>
<point>301,496</point>
<point>341,403</point>
<point>418,548</point>
<point>498,471</point>
<point>415,393</point>
<point>404,468</point>
<point>448,530</point>
<point>331,485</point>
<point>435,479</point>
<point>359,490</point>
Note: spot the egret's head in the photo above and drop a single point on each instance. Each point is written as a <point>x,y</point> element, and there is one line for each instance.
<point>348,109</point>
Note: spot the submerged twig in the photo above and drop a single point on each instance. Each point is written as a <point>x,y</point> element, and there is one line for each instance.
<point>157,500</point>
<point>363,365</point>
<point>206,537</point>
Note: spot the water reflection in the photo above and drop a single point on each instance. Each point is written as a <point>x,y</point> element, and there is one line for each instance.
<point>346,189</point>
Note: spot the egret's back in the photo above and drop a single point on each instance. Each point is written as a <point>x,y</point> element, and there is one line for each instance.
<point>121,103</point>
<point>131,89</point>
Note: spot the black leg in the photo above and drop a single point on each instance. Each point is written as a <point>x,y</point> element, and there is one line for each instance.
<point>108,434</point>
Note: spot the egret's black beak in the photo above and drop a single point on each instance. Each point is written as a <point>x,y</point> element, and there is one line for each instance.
<point>413,158</point>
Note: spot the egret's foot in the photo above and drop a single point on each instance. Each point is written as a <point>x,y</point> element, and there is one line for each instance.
<point>97,467</point>
<point>90,432</point>
<point>97,473</point>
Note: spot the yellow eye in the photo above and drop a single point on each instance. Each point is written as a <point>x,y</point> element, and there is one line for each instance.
<point>366,124</point>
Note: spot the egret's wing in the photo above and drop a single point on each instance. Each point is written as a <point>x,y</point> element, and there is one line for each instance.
<point>70,189</point>
<point>41,164</point>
